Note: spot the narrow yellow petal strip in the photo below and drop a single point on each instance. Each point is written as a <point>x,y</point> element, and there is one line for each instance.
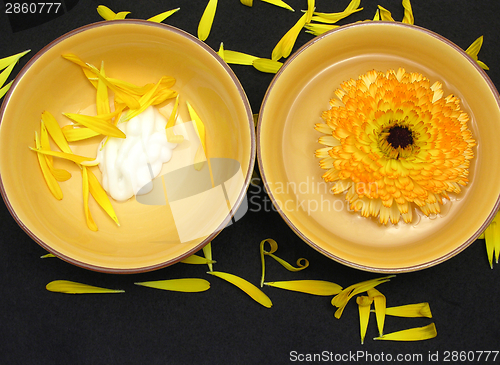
<point>279,3</point>
<point>315,287</point>
<point>207,252</point>
<point>171,136</point>
<point>310,10</point>
<point>238,58</point>
<point>286,43</point>
<point>248,3</point>
<point>377,16</point>
<point>364,304</point>
<point>85,185</point>
<point>161,17</point>
<point>412,334</point>
<point>473,51</point>
<point>197,260</point>
<point>254,292</point>
<point>5,88</point>
<point>318,29</point>
<point>187,285</point>
<point>48,255</point>
<point>408,17</point>
<point>221,52</point>
<point>55,132</point>
<point>385,14</point>
<point>207,19</point>
<point>273,248</point>
<point>51,181</point>
<point>341,299</point>
<point>267,65</point>
<point>121,15</point>
<point>331,18</point>
<point>97,124</point>
<point>100,196</point>
<point>102,99</point>
<point>380,308</point>
<point>71,287</point>
<point>59,174</point>
<point>7,61</point>
<point>74,134</point>
<point>410,310</point>
<point>67,156</point>
<point>199,126</point>
<point>4,75</point>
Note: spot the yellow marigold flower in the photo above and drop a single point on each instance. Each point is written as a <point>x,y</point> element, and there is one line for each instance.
<point>393,142</point>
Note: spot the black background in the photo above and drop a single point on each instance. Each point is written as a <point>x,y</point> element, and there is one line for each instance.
<point>223,325</point>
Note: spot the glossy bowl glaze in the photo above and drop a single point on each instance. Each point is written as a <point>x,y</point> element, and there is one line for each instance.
<point>287,140</point>
<point>139,52</point>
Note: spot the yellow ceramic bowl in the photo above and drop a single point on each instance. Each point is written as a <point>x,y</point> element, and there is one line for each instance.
<point>149,236</point>
<point>287,140</point>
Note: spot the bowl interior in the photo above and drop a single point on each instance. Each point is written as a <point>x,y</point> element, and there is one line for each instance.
<point>287,141</point>
<point>139,52</point>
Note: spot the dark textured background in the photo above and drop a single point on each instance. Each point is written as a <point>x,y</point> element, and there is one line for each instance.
<point>223,325</point>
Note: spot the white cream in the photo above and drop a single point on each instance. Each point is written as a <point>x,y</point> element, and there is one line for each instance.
<point>128,165</point>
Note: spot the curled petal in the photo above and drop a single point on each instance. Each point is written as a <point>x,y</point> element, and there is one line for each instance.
<point>315,287</point>
<point>106,13</point>
<point>385,14</point>
<point>408,16</point>
<point>71,287</point>
<point>187,285</point>
<point>412,334</point>
<point>380,308</point>
<point>473,51</point>
<point>254,292</point>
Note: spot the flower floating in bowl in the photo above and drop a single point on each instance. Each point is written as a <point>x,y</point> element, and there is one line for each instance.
<point>392,140</point>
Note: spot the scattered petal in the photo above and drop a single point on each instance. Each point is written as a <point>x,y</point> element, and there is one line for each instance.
<point>254,292</point>
<point>207,251</point>
<point>161,17</point>
<point>286,43</point>
<point>207,19</point>
<point>199,126</point>
<point>341,299</point>
<point>279,3</point>
<point>248,3</point>
<point>197,260</point>
<point>7,61</point>
<point>267,65</point>
<point>238,58</point>
<point>473,51</point>
<point>67,156</point>
<point>412,334</point>
<point>97,124</point>
<point>74,134</point>
<point>310,10</point>
<point>315,287</point>
<point>364,304</point>
<point>102,99</point>
<point>331,18</point>
<point>51,181</point>
<point>71,287</point>
<point>5,88</point>
<point>318,29</point>
<point>85,185</point>
<point>385,14</point>
<point>105,12</point>
<point>55,132</point>
<point>46,256</point>
<point>380,308</point>
<point>100,196</point>
<point>408,17</point>
<point>59,174</point>
<point>410,310</point>
<point>187,285</point>
<point>221,52</point>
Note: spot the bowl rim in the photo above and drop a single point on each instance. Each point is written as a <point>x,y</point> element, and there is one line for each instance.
<point>251,127</point>
<point>297,231</point>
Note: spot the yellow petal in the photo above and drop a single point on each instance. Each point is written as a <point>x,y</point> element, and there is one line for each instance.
<point>59,174</point>
<point>331,18</point>
<point>341,299</point>
<point>286,43</point>
<point>254,292</point>
<point>410,310</point>
<point>473,51</point>
<point>121,15</point>
<point>197,260</point>
<point>4,89</point>
<point>46,256</point>
<point>54,187</point>
<point>380,308</point>
<point>267,65</point>
<point>6,73</point>
<point>364,304</point>
<point>310,10</point>
<point>55,132</point>
<point>408,17</point>
<point>67,156</point>
<point>377,16</point>
<point>73,134</point>
<point>238,58</point>
<point>161,17</point>
<point>85,185</point>
<point>273,248</point>
<point>187,285</point>
<point>279,3</point>
<point>71,287</point>
<point>315,287</point>
<point>247,2</point>
<point>102,98</point>
<point>199,126</point>
<point>412,334</point>
<point>207,20</point>
<point>7,61</point>
<point>105,12</point>
<point>199,158</point>
<point>100,196</point>
<point>171,136</point>
<point>385,14</point>
<point>221,52</point>
<point>318,29</point>
<point>207,252</point>
<point>97,124</point>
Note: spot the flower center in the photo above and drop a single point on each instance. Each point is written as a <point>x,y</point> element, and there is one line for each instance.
<point>400,137</point>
